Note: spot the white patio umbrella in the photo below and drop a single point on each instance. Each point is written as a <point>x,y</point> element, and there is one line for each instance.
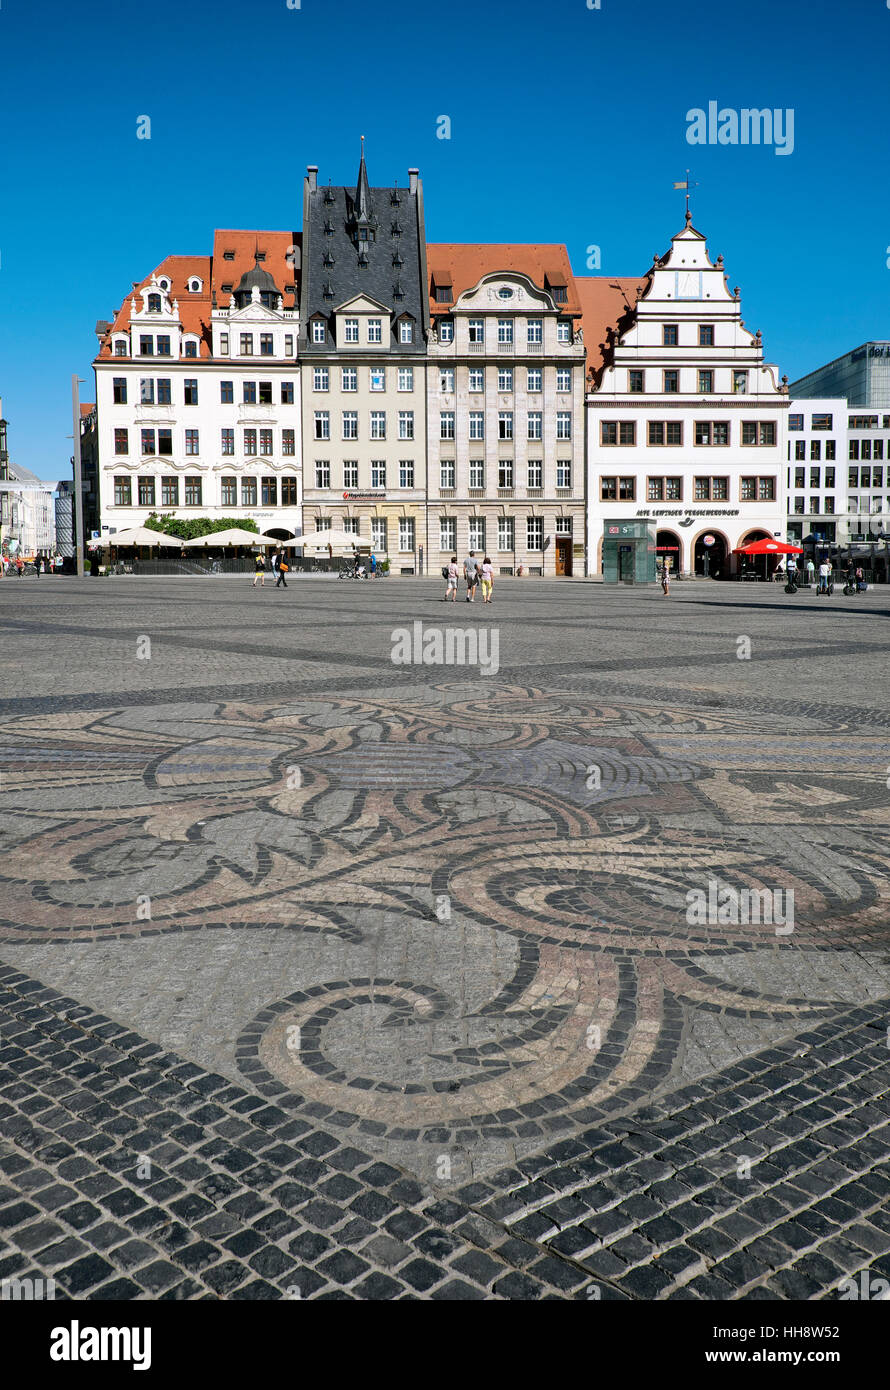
<point>337,539</point>
<point>141,535</point>
<point>235,535</point>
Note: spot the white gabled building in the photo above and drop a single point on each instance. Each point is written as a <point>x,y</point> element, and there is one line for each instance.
<point>685,421</point>
<point>198,390</point>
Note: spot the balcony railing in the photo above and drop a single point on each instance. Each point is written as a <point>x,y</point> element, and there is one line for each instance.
<point>534,347</point>
<point>475,347</point>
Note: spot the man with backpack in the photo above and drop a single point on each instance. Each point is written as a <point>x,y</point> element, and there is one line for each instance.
<point>471,573</point>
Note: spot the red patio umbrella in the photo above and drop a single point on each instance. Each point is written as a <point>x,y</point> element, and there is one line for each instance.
<point>766,547</point>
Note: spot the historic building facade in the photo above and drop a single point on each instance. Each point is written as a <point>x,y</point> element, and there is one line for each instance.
<point>686,423</point>
<point>506,408</point>
<point>198,390</point>
<point>363,342</point>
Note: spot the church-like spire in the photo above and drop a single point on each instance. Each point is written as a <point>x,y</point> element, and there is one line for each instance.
<point>362,191</point>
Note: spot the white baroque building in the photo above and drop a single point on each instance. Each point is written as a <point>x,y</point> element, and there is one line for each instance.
<point>198,390</point>
<point>686,423</point>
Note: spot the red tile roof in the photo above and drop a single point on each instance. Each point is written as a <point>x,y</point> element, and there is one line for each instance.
<point>214,272</point>
<point>463,264</point>
<point>607,301</point>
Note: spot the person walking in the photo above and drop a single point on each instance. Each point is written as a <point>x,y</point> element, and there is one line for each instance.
<point>451,575</point>
<point>811,571</point>
<point>259,565</point>
<point>281,569</point>
<point>665,580</point>
<point>471,574</point>
<point>20,565</point>
<point>487,579</point>
<point>372,565</point>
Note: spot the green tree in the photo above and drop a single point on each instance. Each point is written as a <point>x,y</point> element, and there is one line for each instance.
<point>188,528</point>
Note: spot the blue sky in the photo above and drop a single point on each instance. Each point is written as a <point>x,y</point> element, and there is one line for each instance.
<point>567,124</point>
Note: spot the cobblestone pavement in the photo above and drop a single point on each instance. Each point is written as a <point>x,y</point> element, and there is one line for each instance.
<point>329,977</point>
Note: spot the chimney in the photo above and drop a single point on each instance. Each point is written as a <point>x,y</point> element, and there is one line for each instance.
<point>412,180</point>
<point>312,176</point>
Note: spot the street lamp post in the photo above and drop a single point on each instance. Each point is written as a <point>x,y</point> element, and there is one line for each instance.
<point>78,486</point>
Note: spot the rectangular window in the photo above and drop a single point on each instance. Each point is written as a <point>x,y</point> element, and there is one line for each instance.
<point>711,489</point>
<point>146,345</point>
<point>406,424</point>
<point>266,442</point>
<point>635,381</point>
<point>666,432</point>
<point>814,505</point>
<point>505,472</point>
<point>190,391</point>
<point>669,334</point>
<point>266,349</point>
<point>505,424</point>
<point>378,533</point>
<point>248,393</point>
<point>829,477</point>
<point>564,331</point>
<point>321,378</point>
<point>319,331</point>
<point>448,534</point>
<point>535,473</point>
<point>378,424</point>
<point>165,395</point>
<point>800,448</point>
<point>712,432</point>
<point>706,335</point>
<point>227,441</point>
<point>535,331</point>
<point>505,378</point>
<point>165,441</point>
<point>476,379</point>
<point>406,331</point>
<point>375,331</point>
<point>228,491</point>
<point>865,449</point>
<point>123,492</point>
<point>246,341</point>
<point>147,390</point>
<point>377,378</point>
<point>618,432</point>
<point>446,424</point>
<point>815,448</point>
<point>563,378</point>
<point>193,491</point>
<point>446,473</point>
<point>748,489</point>
<point>120,348</point>
<point>829,506</point>
<point>535,380</point>
<point>148,442</point>
<point>671,382</point>
<point>505,330</point>
<point>349,378</point>
<point>406,534</point>
<point>800,477</point>
<point>378,472</point>
<point>608,489</point>
<point>446,379</point>
<point>476,330</point>
<point>350,473</point>
<point>534,530</point>
<point>322,473</point>
<point>169,492</point>
<point>505,533</point>
<point>655,490</point>
<point>826,422</point>
<point>350,424</point>
<point>163,348</point>
<point>477,473</point>
<point>740,383</point>
<point>705,381</point>
<point>287,393</point>
<point>223,344</point>
<point>288,344</point>
<point>119,386</point>
<point>406,378</point>
<point>853,449</point>
<point>122,441</point>
<point>563,473</point>
<point>476,526</point>
<point>350,331</point>
<point>830,449</point>
<point>265,393</point>
<point>248,492</point>
<point>191,442</point>
<point>288,492</point>
<point>226,393</point>
<point>760,433</point>
<point>795,422</point>
<point>564,424</point>
<point>477,424</point>
<point>535,424</point>
<point>322,424</point>
<point>146,492</point>
<point>446,331</point>
<point>250,442</point>
<point>406,472</point>
<point>269,492</point>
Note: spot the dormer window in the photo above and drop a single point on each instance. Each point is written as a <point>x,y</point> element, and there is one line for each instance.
<point>329,194</point>
<point>444,294</point>
<point>328,227</point>
<point>406,331</point>
<point>228,255</point>
<point>164,284</point>
<point>191,349</point>
<point>227,288</point>
<point>259,256</point>
<point>363,258</point>
<point>397,260</point>
<point>327,260</point>
<point>195,286</point>
<point>395,198</point>
<point>154,303</point>
<point>328,290</point>
<point>363,234</point>
<point>397,229</point>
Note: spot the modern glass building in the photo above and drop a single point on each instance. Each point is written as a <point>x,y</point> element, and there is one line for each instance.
<point>861,376</point>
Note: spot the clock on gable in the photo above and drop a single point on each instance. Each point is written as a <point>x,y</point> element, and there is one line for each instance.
<point>688,284</point>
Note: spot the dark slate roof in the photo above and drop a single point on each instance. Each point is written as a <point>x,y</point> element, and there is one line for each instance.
<point>257,278</point>
<point>338,208</point>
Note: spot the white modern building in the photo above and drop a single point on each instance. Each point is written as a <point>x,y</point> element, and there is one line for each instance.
<point>27,514</point>
<point>198,390</point>
<point>685,420</point>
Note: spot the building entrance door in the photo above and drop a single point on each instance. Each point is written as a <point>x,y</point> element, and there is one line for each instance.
<point>625,564</point>
<point>564,555</point>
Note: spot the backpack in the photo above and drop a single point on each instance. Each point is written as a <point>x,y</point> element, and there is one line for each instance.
<point>444,571</point>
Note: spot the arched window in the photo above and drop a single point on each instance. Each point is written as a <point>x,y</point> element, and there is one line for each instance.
<point>154,303</point>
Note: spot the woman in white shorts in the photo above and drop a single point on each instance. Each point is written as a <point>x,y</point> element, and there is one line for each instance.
<point>451,580</point>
